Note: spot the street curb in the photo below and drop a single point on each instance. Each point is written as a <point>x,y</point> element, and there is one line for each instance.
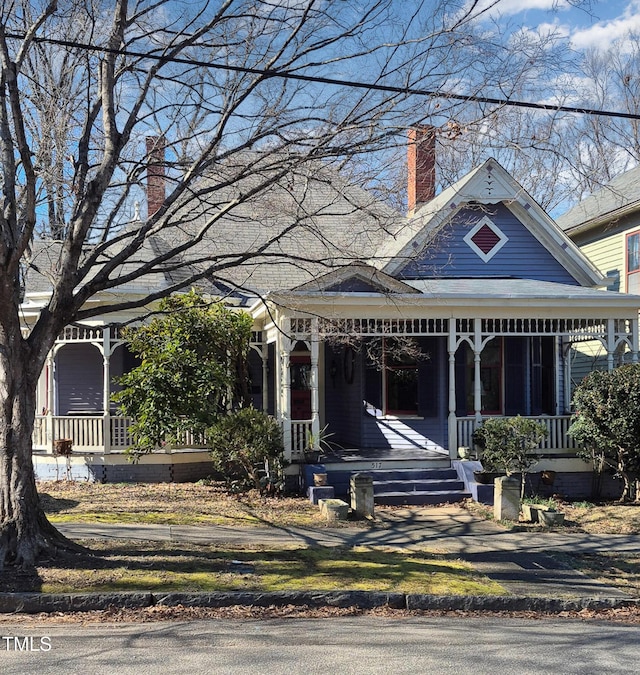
<point>35,603</point>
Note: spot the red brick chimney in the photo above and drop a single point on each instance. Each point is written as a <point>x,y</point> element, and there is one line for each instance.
<point>155,173</point>
<point>421,160</point>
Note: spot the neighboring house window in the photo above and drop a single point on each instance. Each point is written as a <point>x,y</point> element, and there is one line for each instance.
<point>400,381</point>
<point>633,262</point>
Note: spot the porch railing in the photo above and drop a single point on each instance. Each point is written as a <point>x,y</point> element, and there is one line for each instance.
<point>557,427</point>
<point>87,433</point>
<point>300,435</point>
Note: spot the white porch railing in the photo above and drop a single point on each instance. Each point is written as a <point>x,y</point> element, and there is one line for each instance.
<point>557,427</point>
<point>120,436</point>
<point>300,434</point>
<point>87,433</point>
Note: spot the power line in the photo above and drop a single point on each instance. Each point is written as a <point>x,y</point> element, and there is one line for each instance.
<point>288,75</point>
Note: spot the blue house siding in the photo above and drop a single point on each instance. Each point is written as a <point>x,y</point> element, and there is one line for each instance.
<point>343,399</point>
<point>522,256</point>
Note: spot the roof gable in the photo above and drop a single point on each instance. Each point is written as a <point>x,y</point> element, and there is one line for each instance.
<point>486,241</point>
<point>488,184</point>
<point>356,279</point>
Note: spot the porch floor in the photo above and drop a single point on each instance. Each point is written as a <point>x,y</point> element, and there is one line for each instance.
<point>383,454</point>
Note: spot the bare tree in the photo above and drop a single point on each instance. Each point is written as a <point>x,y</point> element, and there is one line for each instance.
<point>581,152</point>
<point>234,89</point>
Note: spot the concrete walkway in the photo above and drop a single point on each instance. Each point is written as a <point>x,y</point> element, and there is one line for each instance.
<point>519,561</point>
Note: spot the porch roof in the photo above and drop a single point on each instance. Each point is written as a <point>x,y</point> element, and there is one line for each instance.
<point>516,288</point>
<point>479,288</point>
<point>473,297</point>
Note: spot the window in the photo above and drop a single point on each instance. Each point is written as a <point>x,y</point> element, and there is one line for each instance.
<point>485,239</point>
<point>401,381</point>
<point>633,262</point>
<point>490,378</point>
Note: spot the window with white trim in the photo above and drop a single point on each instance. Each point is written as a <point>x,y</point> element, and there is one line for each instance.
<point>633,262</point>
<point>485,239</point>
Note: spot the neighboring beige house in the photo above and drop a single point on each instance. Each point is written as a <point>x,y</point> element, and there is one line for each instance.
<point>606,227</point>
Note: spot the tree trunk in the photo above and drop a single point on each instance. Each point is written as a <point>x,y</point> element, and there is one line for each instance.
<point>25,532</point>
<point>627,482</point>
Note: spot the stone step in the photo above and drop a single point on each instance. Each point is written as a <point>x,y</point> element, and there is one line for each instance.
<point>423,498</point>
<point>408,485</point>
<point>413,474</point>
<point>417,485</point>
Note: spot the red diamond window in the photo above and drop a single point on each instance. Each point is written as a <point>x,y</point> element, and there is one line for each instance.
<point>485,239</point>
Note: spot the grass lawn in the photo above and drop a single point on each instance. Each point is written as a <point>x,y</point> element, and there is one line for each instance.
<point>164,566</point>
<point>169,566</point>
<point>170,504</point>
<point>621,570</point>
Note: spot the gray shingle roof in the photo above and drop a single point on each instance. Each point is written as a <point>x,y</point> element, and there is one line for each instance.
<point>512,288</point>
<point>301,227</point>
<point>305,224</point>
<point>623,192</point>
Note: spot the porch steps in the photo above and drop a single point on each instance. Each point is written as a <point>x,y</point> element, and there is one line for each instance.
<point>417,487</point>
<point>401,486</point>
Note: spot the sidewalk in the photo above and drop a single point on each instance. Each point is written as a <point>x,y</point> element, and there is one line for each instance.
<point>519,561</point>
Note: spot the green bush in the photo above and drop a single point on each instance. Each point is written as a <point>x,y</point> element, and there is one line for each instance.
<point>193,367</point>
<point>606,423</point>
<point>247,450</point>
<point>509,444</point>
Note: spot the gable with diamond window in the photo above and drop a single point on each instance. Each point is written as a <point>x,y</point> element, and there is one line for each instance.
<point>485,239</point>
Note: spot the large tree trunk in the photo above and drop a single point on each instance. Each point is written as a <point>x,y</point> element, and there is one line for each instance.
<point>25,532</point>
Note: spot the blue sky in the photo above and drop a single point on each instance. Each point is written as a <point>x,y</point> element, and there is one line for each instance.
<point>596,25</point>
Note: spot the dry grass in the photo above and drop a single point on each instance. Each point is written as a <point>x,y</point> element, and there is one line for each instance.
<point>172,504</point>
<point>621,570</point>
<point>608,518</point>
<point>157,613</point>
<point>603,518</point>
<point>167,566</point>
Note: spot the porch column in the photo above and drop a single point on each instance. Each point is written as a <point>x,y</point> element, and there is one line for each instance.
<point>635,342</point>
<point>566,352</point>
<point>477,383</point>
<point>285,395</point>
<point>264,355</point>
<point>452,421</point>
<point>50,400</point>
<point>558,364</point>
<point>611,343</point>
<point>106,389</point>
<point>315,407</point>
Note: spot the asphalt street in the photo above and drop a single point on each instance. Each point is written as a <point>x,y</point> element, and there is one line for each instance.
<point>358,645</point>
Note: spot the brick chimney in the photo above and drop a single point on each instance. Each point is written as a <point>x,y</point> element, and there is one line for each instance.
<point>421,161</point>
<point>155,173</point>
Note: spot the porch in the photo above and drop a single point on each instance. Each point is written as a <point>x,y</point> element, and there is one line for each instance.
<point>104,434</point>
<point>99,445</point>
<point>110,434</point>
<point>558,444</point>
<point>475,368</point>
